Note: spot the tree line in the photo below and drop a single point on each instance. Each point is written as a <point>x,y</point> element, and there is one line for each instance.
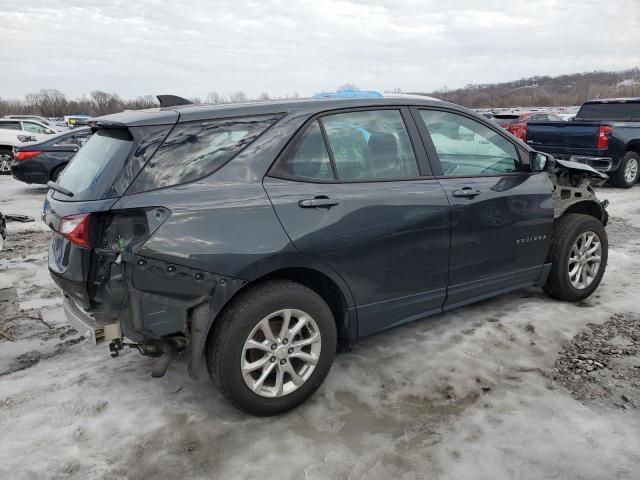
<point>545,91</point>
<point>539,91</point>
<point>50,102</point>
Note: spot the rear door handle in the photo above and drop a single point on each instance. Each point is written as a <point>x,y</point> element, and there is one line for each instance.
<point>466,192</point>
<point>318,202</point>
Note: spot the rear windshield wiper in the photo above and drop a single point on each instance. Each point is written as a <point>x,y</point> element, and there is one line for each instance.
<point>58,188</point>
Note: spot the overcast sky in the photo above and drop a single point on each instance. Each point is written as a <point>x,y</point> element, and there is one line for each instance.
<point>190,48</point>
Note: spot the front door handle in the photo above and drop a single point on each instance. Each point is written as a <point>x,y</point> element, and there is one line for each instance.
<point>318,202</point>
<point>466,192</point>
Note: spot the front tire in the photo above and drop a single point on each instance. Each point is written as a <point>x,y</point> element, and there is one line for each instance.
<point>628,172</point>
<point>579,253</point>
<point>272,348</point>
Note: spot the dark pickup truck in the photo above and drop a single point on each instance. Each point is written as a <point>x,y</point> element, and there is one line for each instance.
<point>605,134</point>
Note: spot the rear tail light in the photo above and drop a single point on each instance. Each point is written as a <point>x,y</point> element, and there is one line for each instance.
<point>519,130</point>
<point>604,134</point>
<point>25,155</point>
<point>75,228</point>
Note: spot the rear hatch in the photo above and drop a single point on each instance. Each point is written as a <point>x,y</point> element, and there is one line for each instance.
<point>94,180</point>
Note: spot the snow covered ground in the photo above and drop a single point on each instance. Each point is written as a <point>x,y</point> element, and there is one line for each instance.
<point>467,394</point>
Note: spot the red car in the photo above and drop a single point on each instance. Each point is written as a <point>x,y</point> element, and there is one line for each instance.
<point>516,122</point>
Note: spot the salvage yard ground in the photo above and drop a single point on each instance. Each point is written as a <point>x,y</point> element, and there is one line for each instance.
<point>520,386</point>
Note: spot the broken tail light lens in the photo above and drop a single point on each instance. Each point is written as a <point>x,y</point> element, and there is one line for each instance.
<point>26,155</point>
<point>75,228</point>
<point>604,134</point>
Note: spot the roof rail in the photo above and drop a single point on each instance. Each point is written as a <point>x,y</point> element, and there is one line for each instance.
<point>172,100</point>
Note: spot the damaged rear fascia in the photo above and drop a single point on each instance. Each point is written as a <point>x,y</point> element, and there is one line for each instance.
<point>572,183</point>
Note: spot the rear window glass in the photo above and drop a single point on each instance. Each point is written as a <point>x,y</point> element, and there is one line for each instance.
<point>196,149</point>
<point>609,111</point>
<point>91,172</point>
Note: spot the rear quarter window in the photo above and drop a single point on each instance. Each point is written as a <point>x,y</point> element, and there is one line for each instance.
<point>93,169</point>
<point>196,149</point>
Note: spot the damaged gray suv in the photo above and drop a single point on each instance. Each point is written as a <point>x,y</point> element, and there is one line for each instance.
<point>258,239</point>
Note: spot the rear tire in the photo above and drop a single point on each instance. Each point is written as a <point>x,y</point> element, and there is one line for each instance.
<point>292,373</point>
<point>578,240</point>
<point>628,172</point>
<point>56,173</point>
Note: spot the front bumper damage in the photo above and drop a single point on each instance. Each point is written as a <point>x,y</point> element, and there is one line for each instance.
<point>572,189</point>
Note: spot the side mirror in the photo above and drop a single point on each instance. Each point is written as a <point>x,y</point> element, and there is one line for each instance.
<point>48,131</point>
<point>539,162</point>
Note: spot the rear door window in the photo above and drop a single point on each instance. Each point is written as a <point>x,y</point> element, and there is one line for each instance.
<point>196,149</point>
<point>93,169</point>
<point>370,145</point>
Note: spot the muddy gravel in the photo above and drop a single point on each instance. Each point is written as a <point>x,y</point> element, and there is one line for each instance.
<point>602,364</point>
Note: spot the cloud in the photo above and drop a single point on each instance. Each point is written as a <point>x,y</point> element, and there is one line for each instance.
<point>154,46</point>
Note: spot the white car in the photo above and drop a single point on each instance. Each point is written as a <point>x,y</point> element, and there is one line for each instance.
<point>57,126</point>
<point>9,139</point>
<point>34,127</point>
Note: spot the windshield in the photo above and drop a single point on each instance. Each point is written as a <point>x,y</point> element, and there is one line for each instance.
<point>609,111</point>
<point>93,169</point>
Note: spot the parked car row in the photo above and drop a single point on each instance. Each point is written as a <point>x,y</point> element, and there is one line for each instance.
<point>604,134</point>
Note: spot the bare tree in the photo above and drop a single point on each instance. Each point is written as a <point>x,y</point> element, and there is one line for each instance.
<point>214,97</point>
<point>263,96</point>
<point>49,102</point>
<point>106,102</point>
<point>238,97</point>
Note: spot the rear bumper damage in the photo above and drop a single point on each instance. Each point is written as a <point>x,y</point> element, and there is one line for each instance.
<point>86,325</point>
<point>161,307</point>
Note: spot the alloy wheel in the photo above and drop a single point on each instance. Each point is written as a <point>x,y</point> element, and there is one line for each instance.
<point>281,353</point>
<point>5,162</point>
<point>631,170</point>
<point>584,260</point>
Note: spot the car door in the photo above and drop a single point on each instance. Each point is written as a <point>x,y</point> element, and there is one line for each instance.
<point>501,212</point>
<point>353,192</point>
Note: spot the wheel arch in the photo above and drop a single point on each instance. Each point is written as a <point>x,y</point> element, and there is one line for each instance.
<point>328,285</point>
<point>634,146</point>
<point>587,207</point>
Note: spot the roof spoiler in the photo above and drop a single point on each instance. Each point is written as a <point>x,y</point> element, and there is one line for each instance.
<point>172,100</point>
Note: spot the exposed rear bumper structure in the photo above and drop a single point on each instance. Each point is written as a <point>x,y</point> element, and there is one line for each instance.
<point>87,326</point>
